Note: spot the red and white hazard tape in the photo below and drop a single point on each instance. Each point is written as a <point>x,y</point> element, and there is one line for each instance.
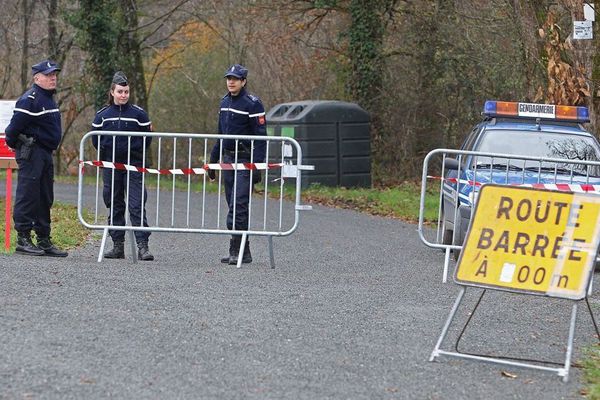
<point>184,171</point>
<point>564,187</point>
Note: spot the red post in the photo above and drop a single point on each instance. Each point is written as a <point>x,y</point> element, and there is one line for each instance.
<point>8,209</point>
<point>7,160</point>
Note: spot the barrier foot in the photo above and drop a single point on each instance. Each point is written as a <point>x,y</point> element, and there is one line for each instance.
<point>133,247</point>
<point>446,263</point>
<point>103,244</point>
<point>242,247</point>
<point>271,256</point>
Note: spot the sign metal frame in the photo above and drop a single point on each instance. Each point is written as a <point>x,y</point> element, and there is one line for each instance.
<point>586,280</point>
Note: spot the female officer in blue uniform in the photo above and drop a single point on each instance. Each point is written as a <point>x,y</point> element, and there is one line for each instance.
<point>240,113</point>
<point>120,115</point>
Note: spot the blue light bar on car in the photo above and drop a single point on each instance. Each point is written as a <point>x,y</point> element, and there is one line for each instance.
<point>532,110</point>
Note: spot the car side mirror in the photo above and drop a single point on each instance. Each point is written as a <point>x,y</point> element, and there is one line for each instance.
<point>450,163</point>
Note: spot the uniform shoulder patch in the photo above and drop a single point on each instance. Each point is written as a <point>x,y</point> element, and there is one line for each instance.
<point>253,97</point>
<point>30,94</point>
<point>102,109</point>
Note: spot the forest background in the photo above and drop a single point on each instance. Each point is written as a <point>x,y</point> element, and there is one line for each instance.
<point>421,68</point>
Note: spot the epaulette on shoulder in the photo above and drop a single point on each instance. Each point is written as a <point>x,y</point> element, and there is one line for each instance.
<point>223,98</point>
<point>30,94</point>
<point>102,109</point>
<point>253,97</point>
<point>138,107</point>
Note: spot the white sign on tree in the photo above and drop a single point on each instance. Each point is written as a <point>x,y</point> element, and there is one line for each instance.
<point>6,113</point>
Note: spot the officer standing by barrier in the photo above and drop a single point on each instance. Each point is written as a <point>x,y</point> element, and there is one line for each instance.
<point>35,131</point>
<point>240,113</point>
<point>120,115</point>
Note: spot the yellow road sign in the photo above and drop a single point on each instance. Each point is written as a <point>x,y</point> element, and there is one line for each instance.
<point>528,240</point>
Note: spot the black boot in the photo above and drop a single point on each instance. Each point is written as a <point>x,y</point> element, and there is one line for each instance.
<point>233,242</point>
<point>26,246</point>
<point>143,252</point>
<point>246,257</point>
<point>44,243</point>
<point>234,249</point>
<point>118,250</point>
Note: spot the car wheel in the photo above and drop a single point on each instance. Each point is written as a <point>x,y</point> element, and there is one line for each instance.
<point>456,254</point>
<point>447,237</point>
<point>458,240</point>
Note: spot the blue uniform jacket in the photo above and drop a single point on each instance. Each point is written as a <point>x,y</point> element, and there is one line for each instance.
<point>129,118</point>
<point>37,115</point>
<point>243,114</point>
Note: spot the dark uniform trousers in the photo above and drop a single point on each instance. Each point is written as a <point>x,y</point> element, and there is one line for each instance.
<point>242,192</point>
<point>35,192</point>
<point>117,200</point>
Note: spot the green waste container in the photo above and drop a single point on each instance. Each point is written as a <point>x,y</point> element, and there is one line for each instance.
<point>334,137</point>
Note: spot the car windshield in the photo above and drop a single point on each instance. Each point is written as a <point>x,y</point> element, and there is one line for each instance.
<point>539,144</point>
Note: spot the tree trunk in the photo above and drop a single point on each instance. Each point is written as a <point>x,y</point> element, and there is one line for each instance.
<point>53,38</point>
<point>365,49</point>
<point>25,67</point>
<point>130,45</point>
<point>531,15</point>
<point>595,74</point>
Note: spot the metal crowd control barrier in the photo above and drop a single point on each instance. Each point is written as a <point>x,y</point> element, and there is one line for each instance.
<point>201,213</point>
<point>455,177</point>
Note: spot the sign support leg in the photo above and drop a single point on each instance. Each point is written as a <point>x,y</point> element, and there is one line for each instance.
<point>436,350</point>
<point>565,372</point>
<point>593,319</point>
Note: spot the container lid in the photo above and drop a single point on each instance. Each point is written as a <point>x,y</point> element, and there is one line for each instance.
<point>317,111</point>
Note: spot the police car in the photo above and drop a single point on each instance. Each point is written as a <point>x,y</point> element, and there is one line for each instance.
<point>518,144</point>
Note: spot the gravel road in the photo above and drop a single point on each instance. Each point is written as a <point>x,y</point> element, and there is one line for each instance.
<point>352,311</point>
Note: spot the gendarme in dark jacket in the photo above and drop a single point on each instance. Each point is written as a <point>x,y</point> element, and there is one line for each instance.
<point>36,115</point>
<point>129,118</point>
<point>243,114</point>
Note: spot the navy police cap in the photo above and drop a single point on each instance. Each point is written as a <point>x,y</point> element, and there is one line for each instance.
<point>237,70</point>
<point>45,67</point>
<point>120,79</point>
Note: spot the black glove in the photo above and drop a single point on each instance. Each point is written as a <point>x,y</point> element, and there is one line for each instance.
<point>211,174</point>
<point>256,177</point>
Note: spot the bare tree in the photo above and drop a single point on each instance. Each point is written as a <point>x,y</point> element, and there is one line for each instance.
<point>26,9</point>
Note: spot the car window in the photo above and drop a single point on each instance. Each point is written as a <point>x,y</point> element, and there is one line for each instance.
<point>540,144</point>
<point>468,143</point>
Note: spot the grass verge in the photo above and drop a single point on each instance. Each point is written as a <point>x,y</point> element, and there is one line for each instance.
<point>591,372</point>
<point>401,202</point>
<point>67,231</point>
